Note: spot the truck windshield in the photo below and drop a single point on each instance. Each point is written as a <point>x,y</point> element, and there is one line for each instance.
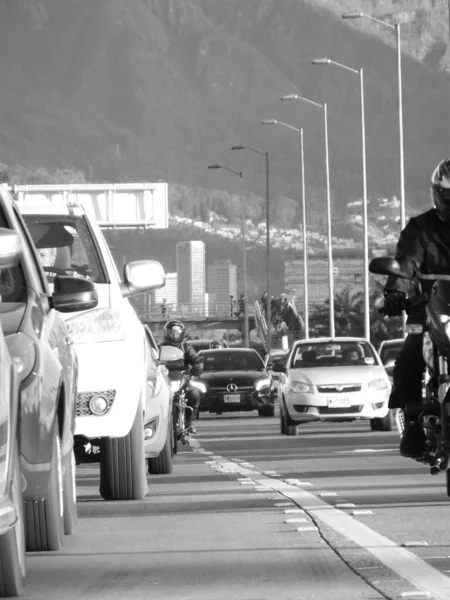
<point>66,246</point>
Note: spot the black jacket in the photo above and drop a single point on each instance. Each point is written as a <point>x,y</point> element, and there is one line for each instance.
<point>423,245</point>
<point>191,358</point>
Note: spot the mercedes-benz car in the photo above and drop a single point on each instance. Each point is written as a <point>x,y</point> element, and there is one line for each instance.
<point>333,379</point>
<point>234,379</point>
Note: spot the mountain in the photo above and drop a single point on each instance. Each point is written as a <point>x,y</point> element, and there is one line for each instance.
<point>158,89</point>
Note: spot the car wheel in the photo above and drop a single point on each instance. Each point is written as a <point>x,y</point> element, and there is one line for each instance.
<point>44,520</point>
<point>70,495</point>
<point>174,429</point>
<point>122,464</point>
<point>382,424</point>
<point>12,544</point>
<point>282,423</point>
<point>162,464</point>
<point>291,429</point>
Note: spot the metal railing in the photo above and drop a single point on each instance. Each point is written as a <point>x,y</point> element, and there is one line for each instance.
<point>191,311</point>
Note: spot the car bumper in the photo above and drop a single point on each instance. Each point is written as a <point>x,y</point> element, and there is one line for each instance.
<point>307,407</point>
<point>216,402</point>
<point>115,370</point>
<point>157,414</point>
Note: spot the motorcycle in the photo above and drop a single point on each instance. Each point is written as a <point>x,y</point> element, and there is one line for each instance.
<point>433,411</point>
<point>173,359</point>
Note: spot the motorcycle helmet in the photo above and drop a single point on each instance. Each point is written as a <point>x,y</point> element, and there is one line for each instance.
<point>440,189</point>
<point>174,331</point>
<point>216,344</point>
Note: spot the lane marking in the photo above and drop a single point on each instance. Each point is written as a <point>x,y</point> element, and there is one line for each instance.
<point>361,511</point>
<point>364,450</point>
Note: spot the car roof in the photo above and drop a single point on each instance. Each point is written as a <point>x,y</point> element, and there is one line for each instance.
<point>230,350</point>
<point>393,342</point>
<point>330,340</point>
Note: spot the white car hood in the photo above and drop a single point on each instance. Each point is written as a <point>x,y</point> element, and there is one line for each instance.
<point>329,375</point>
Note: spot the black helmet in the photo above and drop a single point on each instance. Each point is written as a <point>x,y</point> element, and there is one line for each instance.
<point>440,189</point>
<point>174,331</point>
<point>216,344</point>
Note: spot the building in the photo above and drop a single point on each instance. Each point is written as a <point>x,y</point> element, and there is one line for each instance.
<point>346,272</point>
<point>169,292</point>
<point>191,276</point>
<point>221,284</point>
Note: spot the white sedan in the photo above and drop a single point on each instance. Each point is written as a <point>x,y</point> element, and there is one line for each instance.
<point>333,379</point>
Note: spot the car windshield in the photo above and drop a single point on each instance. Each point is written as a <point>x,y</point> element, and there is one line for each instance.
<point>74,250</point>
<point>390,352</point>
<point>227,360</point>
<point>335,354</point>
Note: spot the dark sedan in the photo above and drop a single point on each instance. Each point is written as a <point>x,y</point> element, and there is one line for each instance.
<point>235,379</point>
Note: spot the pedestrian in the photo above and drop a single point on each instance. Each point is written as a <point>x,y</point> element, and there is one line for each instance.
<point>164,309</point>
<point>232,305</point>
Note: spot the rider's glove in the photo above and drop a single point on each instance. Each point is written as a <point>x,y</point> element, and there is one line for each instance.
<point>394,303</point>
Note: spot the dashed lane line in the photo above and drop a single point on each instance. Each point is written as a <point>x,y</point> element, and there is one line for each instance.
<point>428,580</point>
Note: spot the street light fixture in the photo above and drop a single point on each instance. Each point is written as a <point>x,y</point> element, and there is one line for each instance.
<point>327,171</point>
<point>268,308</point>
<point>244,251</point>
<point>305,245</point>
<point>360,73</point>
<point>396,27</point>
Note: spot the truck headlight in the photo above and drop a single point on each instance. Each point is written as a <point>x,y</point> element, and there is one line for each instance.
<point>99,325</point>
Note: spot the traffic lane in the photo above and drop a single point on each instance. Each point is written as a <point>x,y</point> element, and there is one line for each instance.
<point>205,548</point>
<point>400,499</point>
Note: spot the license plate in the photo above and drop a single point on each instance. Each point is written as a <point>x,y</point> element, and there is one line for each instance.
<point>231,398</point>
<point>338,402</point>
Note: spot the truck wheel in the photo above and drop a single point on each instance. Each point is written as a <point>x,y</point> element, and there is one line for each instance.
<point>12,545</point>
<point>70,495</point>
<point>44,519</point>
<point>122,464</point>
<point>162,464</point>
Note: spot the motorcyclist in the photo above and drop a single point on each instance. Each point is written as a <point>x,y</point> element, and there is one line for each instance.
<point>174,334</point>
<point>424,246</point>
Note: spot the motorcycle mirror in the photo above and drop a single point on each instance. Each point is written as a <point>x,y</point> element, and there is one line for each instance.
<point>385,265</point>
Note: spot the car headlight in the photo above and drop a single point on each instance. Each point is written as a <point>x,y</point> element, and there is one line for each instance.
<point>99,325</point>
<point>262,383</point>
<point>377,385</point>
<point>198,385</point>
<point>22,350</point>
<point>300,387</point>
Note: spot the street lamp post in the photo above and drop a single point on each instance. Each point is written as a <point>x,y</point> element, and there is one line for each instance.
<point>268,308</point>
<point>305,244</point>
<point>244,250</point>
<point>360,73</point>
<point>327,171</point>
<point>396,27</point>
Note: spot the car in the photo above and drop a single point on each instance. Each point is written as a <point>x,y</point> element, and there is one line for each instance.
<point>273,357</point>
<point>158,419</point>
<point>12,528</point>
<point>109,341</point>
<point>234,379</point>
<point>319,384</point>
<point>39,344</point>
<point>388,352</point>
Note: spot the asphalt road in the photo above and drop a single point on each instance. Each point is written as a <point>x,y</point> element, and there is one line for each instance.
<point>333,513</point>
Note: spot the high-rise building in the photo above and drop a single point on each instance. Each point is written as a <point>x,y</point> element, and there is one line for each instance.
<point>169,293</point>
<point>191,276</point>
<point>221,284</point>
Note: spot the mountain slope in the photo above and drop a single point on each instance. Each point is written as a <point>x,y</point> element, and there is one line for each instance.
<point>158,89</point>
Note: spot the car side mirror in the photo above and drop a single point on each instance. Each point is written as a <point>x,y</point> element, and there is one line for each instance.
<point>72,294</point>
<point>279,368</point>
<point>172,358</point>
<point>10,248</point>
<point>141,276</point>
